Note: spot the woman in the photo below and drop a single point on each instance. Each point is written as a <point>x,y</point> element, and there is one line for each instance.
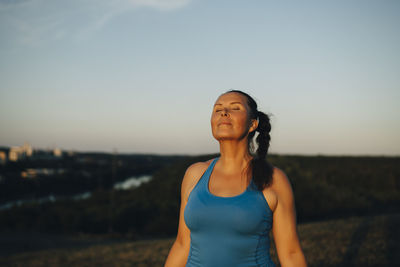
<point>228,203</point>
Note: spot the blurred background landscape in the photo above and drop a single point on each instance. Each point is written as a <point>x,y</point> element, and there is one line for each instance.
<point>70,208</point>
<point>104,104</point>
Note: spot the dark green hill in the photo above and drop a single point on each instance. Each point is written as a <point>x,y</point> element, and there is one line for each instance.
<point>325,187</point>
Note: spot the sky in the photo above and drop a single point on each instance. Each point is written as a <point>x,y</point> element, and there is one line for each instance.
<point>141,76</point>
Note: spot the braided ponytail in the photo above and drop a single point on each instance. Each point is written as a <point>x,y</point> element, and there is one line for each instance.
<point>261,169</point>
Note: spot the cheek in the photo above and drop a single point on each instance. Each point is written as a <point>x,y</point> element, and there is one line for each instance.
<point>213,119</point>
<point>243,121</point>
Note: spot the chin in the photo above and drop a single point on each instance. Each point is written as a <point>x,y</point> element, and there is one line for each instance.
<point>225,136</point>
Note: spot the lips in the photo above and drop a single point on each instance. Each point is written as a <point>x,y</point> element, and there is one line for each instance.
<point>224,123</point>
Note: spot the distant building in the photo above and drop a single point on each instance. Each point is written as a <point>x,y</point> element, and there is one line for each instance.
<point>29,173</point>
<point>15,153</point>
<point>20,152</point>
<point>3,157</point>
<point>27,148</point>
<point>57,152</point>
<point>32,173</point>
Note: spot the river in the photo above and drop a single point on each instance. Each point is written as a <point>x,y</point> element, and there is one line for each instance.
<point>126,184</point>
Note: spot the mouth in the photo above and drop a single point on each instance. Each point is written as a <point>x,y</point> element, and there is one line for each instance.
<point>224,123</point>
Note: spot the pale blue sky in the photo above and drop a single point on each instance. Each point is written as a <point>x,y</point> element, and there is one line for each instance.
<point>142,75</point>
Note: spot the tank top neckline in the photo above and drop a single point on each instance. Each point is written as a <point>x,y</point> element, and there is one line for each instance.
<point>207,182</point>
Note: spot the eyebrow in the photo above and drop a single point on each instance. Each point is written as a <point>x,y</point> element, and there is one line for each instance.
<point>229,103</point>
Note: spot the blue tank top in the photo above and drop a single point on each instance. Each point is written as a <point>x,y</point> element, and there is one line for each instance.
<point>227,231</point>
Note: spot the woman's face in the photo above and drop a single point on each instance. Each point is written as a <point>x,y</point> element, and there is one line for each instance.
<point>230,117</point>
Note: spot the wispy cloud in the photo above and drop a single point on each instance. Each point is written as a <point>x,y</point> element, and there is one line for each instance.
<point>161,4</point>
<point>32,22</point>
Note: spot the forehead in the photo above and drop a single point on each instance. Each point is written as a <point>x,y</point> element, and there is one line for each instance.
<point>231,97</point>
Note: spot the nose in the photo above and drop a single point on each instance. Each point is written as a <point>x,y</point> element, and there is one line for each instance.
<point>224,112</point>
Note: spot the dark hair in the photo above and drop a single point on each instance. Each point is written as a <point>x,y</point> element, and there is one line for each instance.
<point>261,169</point>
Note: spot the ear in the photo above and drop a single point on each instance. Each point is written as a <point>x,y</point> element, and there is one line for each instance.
<point>253,125</point>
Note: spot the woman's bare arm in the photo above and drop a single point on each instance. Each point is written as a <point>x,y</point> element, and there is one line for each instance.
<point>284,223</point>
<point>179,251</point>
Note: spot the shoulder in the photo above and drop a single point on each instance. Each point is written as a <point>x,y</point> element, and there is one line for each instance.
<point>192,176</point>
<point>279,189</point>
<point>198,166</point>
<point>283,188</point>
<point>280,181</point>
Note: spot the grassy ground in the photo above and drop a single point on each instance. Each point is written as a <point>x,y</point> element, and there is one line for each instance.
<point>356,241</point>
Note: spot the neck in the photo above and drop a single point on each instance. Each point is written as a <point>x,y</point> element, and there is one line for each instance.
<point>235,155</point>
